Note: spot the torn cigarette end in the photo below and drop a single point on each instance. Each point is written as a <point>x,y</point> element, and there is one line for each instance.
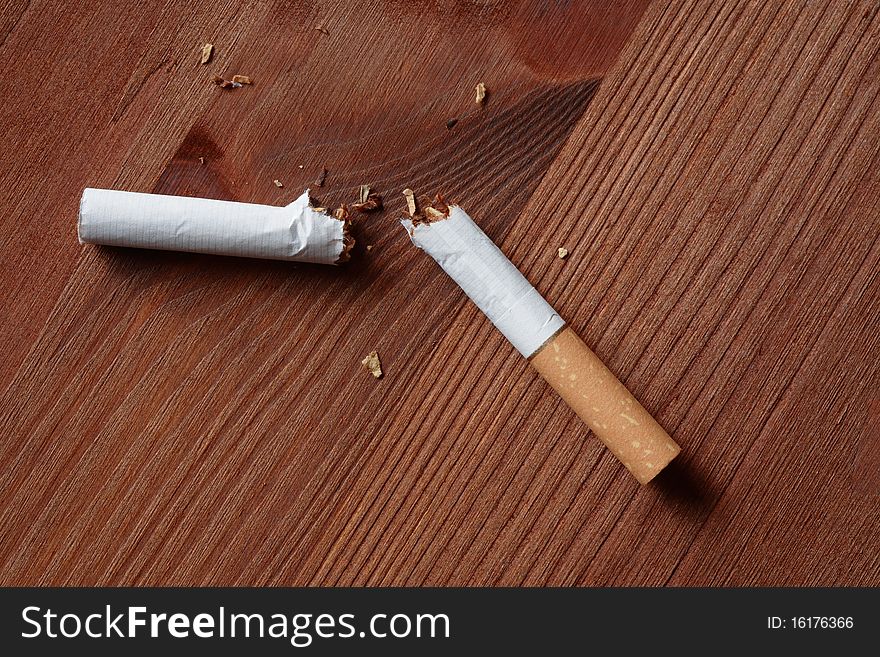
<point>480,90</point>
<point>207,53</point>
<point>372,364</point>
<point>562,252</point>
<point>347,245</point>
<point>537,331</point>
<point>410,201</point>
<point>436,211</point>
<point>342,214</point>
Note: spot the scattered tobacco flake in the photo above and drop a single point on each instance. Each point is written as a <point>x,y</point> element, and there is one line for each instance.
<point>410,201</point>
<point>363,193</point>
<point>319,181</point>
<point>480,90</point>
<point>207,53</point>
<point>323,30</point>
<point>301,166</point>
<point>319,209</point>
<point>341,212</point>
<point>242,79</point>
<point>434,213</point>
<point>278,183</point>
<point>202,159</point>
<point>372,203</point>
<point>369,247</point>
<point>562,252</point>
<point>224,83</point>
<point>450,124</point>
<point>373,364</point>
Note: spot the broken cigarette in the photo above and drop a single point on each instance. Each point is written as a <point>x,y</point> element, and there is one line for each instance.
<point>176,223</point>
<point>516,308</point>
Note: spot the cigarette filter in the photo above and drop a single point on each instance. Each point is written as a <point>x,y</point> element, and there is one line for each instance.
<point>175,223</point>
<point>539,333</point>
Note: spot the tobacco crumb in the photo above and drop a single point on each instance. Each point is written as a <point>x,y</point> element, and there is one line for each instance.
<point>278,183</point>
<point>440,204</point>
<point>372,203</point>
<point>562,252</point>
<point>225,84</point>
<point>434,213</point>
<point>363,193</point>
<point>450,124</point>
<point>207,53</point>
<point>410,201</point>
<point>323,30</point>
<point>242,79</point>
<point>373,365</point>
<point>341,212</point>
<point>480,90</point>
<point>319,181</point>
<point>320,209</point>
<point>301,166</point>
<point>201,160</point>
<point>369,247</point>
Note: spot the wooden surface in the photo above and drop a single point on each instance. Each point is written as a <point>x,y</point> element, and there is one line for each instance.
<point>180,419</point>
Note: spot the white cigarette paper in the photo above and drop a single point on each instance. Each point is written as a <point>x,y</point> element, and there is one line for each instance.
<point>488,278</point>
<point>553,349</point>
<point>176,223</point>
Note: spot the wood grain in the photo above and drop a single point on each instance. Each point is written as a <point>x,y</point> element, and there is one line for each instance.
<point>182,419</point>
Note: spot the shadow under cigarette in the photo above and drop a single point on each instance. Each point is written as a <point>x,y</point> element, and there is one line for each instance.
<point>685,486</point>
<point>125,260</point>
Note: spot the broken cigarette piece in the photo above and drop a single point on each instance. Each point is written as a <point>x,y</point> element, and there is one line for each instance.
<point>295,232</point>
<point>537,331</point>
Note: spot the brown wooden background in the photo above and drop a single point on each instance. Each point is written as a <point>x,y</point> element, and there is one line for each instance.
<point>713,168</point>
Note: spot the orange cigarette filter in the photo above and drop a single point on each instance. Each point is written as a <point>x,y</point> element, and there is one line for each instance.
<point>504,295</point>
<point>604,403</point>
